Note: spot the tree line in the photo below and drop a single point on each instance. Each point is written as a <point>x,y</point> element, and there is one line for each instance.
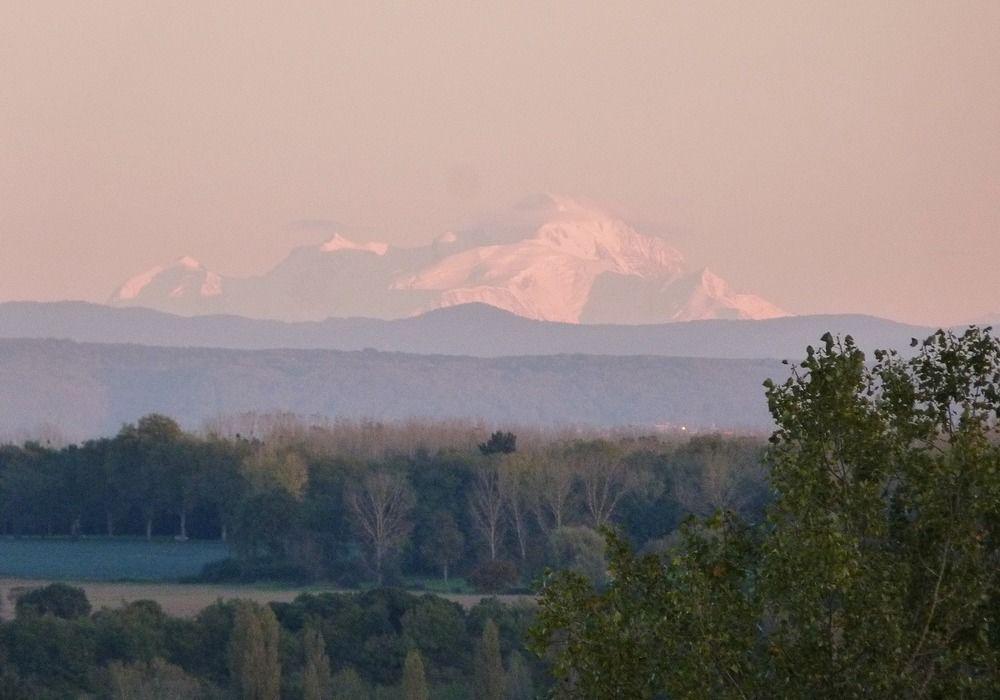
<point>377,645</point>
<point>293,504</point>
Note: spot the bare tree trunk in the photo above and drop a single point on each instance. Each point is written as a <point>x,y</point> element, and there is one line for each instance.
<point>606,480</point>
<point>514,488</point>
<point>381,507</point>
<point>149,528</point>
<point>183,526</point>
<point>486,504</point>
<point>554,483</point>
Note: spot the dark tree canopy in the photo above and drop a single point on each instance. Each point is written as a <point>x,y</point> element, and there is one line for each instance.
<point>57,599</point>
<point>500,442</point>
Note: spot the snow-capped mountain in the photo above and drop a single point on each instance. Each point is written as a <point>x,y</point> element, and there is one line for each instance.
<point>552,258</point>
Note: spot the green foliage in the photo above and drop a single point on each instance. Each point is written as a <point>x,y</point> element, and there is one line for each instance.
<point>437,628</point>
<point>154,680</point>
<point>579,549</point>
<point>519,684</point>
<point>56,599</point>
<point>51,652</point>
<point>295,508</point>
<point>242,649</point>
<point>874,575</point>
<point>317,683</point>
<point>489,674</point>
<point>414,681</point>
<point>135,632</point>
<point>254,664</point>
<point>348,685</point>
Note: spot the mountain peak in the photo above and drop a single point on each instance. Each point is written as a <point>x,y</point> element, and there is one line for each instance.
<point>189,262</point>
<point>550,258</point>
<point>185,277</point>
<point>339,242</point>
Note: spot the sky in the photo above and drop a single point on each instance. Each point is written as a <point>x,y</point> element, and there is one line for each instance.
<point>829,156</point>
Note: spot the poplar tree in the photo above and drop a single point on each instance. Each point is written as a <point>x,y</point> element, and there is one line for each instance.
<point>520,685</point>
<point>317,683</point>
<point>254,666</point>
<point>489,674</point>
<point>348,685</point>
<point>414,681</point>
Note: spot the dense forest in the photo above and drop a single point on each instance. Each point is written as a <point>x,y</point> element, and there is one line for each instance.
<point>446,506</point>
<point>381,644</point>
<point>367,503</point>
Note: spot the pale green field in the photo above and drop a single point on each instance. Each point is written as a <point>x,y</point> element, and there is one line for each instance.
<point>116,571</point>
<point>106,559</point>
<point>185,599</point>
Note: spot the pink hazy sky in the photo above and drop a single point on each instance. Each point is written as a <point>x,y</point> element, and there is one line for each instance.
<point>830,156</point>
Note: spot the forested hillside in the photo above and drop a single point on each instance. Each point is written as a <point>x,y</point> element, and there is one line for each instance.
<point>469,329</point>
<point>91,389</point>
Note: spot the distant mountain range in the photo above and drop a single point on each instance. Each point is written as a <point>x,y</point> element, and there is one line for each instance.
<point>91,389</point>
<point>473,329</point>
<point>551,258</point>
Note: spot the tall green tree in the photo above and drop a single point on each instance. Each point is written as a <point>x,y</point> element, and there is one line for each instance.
<point>317,683</point>
<point>519,684</point>
<point>488,667</point>
<point>874,575</point>
<point>348,685</point>
<point>254,663</point>
<point>414,681</point>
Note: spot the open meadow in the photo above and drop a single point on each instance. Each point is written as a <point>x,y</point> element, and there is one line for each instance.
<point>116,571</point>
<point>106,558</point>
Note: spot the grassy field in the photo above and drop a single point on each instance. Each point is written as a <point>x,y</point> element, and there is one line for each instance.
<point>116,571</point>
<point>105,559</point>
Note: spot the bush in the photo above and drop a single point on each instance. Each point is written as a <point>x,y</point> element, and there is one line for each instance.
<point>494,576</point>
<point>58,599</point>
<point>235,571</point>
<point>224,571</point>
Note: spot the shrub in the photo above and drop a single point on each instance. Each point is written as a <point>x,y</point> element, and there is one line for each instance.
<point>58,599</point>
<point>494,576</point>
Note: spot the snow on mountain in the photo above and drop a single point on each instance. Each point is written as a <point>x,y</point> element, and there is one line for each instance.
<point>549,275</point>
<point>338,242</point>
<point>710,296</point>
<point>183,285</point>
<point>551,258</point>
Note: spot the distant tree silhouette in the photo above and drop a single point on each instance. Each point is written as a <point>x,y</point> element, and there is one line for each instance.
<point>499,443</point>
